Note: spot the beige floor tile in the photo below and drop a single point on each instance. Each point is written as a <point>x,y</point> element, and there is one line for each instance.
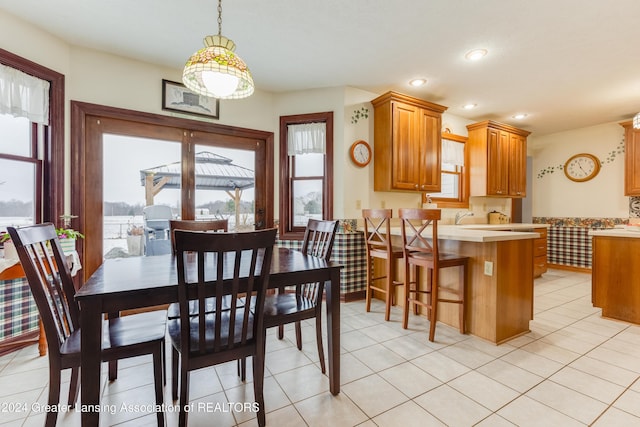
<point>510,375</point>
<point>410,379</point>
<point>494,420</point>
<point>283,417</point>
<point>355,340</point>
<point>532,362</point>
<point>526,412</point>
<point>482,389</point>
<point>551,352</point>
<point>352,369</point>
<point>408,414</point>
<point>374,395</point>
<point>571,403</point>
<point>585,383</point>
<point>285,359</point>
<point>616,358</point>
<point>327,410</point>
<point>466,355</point>
<point>302,383</point>
<point>452,407</point>
<point>629,402</point>
<point>407,347</point>
<point>378,357</point>
<point>605,370</point>
<point>440,366</point>
<point>616,418</point>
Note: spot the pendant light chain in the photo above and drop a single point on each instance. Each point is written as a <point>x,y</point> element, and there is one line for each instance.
<point>219,17</point>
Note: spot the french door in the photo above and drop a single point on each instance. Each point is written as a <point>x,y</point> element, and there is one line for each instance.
<point>96,130</point>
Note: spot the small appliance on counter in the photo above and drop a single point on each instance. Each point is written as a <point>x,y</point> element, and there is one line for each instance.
<point>496,217</point>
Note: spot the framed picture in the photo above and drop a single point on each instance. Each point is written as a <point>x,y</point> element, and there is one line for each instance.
<point>176,97</point>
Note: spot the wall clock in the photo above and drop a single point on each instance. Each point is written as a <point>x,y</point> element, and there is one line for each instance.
<point>582,167</point>
<point>360,153</point>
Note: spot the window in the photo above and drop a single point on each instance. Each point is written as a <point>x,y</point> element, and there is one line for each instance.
<point>455,181</point>
<point>31,143</point>
<point>306,178</point>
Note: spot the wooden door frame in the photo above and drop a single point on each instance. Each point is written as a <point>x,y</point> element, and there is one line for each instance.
<point>86,175</point>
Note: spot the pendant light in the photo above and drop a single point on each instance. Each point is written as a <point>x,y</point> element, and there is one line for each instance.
<point>216,71</point>
<point>636,121</point>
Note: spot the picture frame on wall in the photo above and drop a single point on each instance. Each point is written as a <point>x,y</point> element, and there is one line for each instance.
<point>176,97</point>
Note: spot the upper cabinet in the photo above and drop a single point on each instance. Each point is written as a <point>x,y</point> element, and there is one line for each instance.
<point>407,143</point>
<point>497,159</point>
<point>631,160</point>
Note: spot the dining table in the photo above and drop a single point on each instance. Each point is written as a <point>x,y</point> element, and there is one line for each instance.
<point>136,282</point>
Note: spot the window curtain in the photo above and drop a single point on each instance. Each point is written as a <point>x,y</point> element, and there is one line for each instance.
<point>452,152</point>
<point>306,138</point>
<point>22,95</point>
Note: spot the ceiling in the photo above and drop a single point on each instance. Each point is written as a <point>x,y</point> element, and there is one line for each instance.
<point>565,63</point>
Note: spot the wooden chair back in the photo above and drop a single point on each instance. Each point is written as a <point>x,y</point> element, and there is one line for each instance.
<point>227,266</point>
<point>420,234</point>
<point>49,277</point>
<point>377,230</point>
<point>192,225</point>
<point>317,241</point>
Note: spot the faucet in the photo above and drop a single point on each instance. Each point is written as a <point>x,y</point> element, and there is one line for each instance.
<point>461,215</point>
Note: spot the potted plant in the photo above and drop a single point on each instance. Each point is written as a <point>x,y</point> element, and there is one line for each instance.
<point>68,237</point>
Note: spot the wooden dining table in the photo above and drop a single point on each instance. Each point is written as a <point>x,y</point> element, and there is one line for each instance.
<point>130,283</point>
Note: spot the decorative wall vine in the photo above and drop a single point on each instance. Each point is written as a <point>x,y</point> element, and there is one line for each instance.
<point>362,113</point>
<point>611,157</point>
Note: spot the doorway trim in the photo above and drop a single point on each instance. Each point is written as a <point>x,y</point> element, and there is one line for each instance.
<point>83,174</point>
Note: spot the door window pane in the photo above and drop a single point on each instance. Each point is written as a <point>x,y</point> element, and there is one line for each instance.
<point>225,186</point>
<point>127,162</point>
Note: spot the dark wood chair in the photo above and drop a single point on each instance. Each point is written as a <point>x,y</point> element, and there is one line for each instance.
<point>420,238</point>
<point>47,272</point>
<point>216,225</point>
<point>306,301</point>
<point>377,231</point>
<point>224,266</point>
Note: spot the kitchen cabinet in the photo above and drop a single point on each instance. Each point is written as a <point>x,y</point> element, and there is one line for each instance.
<point>407,144</point>
<point>631,159</point>
<point>540,252</point>
<point>497,159</point>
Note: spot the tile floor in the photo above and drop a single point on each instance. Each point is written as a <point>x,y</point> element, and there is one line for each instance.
<point>573,369</point>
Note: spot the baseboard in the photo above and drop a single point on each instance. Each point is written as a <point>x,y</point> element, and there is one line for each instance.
<point>353,296</point>
<point>13,344</point>
<point>569,268</point>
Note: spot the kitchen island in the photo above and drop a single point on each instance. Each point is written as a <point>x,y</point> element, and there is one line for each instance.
<point>499,291</point>
<point>616,273</point>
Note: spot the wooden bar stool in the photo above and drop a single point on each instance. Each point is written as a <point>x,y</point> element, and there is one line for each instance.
<point>377,231</point>
<point>420,246</point>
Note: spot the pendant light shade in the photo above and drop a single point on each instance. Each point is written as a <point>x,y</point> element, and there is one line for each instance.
<point>216,71</point>
<point>636,121</point>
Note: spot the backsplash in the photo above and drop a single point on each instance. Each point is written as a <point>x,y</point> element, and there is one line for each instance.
<point>634,207</point>
<point>580,222</point>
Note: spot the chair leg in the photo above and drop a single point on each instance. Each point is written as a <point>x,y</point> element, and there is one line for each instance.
<point>242,368</point>
<point>407,296</point>
<point>74,386</point>
<point>113,370</point>
<point>299,336</point>
<point>158,368</point>
<point>280,332</point>
<point>175,358</point>
<point>258,378</point>
<point>164,363</point>
<point>319,340</point>
<point>433,316</point>
<point>462,305</point>
<point>369,279</point>
<point>387,298</point>
<point>54,394</point>
<point>184,396</point>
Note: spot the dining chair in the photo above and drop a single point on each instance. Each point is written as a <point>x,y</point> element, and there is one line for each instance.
<point>216,225</point>
<point>49,278</point>
<point>306,301</point>
<point>377,231</point>
<point>224,266</point>
<point>420,246</point>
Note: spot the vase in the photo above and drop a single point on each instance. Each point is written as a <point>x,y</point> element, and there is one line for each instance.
<point>68,245</point>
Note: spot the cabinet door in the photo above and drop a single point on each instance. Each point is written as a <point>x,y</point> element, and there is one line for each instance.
<point>632,162</point>
<point>517,166</point>
<point>406,162</point>
<point>497,162</point>
<point>431,151</point>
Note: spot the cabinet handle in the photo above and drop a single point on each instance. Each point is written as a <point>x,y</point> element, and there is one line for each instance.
<point>416,186</point>
<point>542,247</point>
<point>498,192</point>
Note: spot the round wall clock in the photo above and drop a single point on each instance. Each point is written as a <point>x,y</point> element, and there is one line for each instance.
<point>360,153</point>
<point>582,167</point>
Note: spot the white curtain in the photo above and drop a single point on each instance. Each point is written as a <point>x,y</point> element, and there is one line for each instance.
<point>306,138</point>
<point>22,95</point>
<point>452,152</point>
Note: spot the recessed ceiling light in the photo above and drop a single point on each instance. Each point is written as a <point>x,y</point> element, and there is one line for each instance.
<point>469,106</point>
<point>474,55</point>
<point>418,82</point>
<point>519,116</point>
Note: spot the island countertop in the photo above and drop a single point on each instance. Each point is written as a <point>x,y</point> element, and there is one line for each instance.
<point>483,232</point>
<point>624,231</point>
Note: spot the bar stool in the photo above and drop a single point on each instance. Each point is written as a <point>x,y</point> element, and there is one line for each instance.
<point>377,231</point>
<point>420,246</point>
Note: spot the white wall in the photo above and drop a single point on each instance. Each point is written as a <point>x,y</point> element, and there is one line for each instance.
<point>555,195</point>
